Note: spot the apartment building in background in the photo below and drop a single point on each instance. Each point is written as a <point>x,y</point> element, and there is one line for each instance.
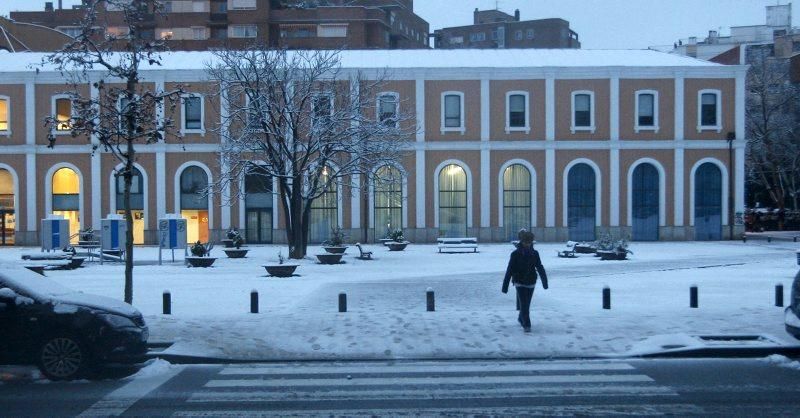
<point>569,143</point>
<point>199,25</point>
<point>496,29</point>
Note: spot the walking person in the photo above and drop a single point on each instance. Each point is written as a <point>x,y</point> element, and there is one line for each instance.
<point>521,272</point>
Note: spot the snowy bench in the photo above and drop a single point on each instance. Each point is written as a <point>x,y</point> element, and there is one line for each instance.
<point>364,255</point>
<point>457,244</point>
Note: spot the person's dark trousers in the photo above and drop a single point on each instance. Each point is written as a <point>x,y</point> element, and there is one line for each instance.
<point>524,295</point>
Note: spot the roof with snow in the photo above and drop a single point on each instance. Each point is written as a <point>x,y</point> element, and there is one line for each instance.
<point>433,58</point>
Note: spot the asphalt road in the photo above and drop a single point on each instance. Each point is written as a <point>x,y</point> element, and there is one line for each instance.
<point>702,387</point>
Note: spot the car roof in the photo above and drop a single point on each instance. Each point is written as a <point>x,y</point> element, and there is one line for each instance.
<point>32,284</point>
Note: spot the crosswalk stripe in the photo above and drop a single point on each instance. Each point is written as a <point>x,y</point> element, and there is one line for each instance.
<point>583,409</point>
<point>430,394</point>
<point>419,367</point>
<point>593,378</point>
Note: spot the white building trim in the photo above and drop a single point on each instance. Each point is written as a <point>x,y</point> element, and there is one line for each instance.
<point>613,111</point>
<point>112,192</point>
<point>724,172</point>
<point>461,128</point>
<point>501,190</point>
<point>420,176</point>
<point>550,107</point>
<point>486,111</point>
<point>598,182</point>
<point>527,127</point>
<point>177,190</point>
<point>638,128</point>
<point>30,114</point>
<point>436,172</point>
<point>662,199</point>
<point>419,92</point>
<point>15,185</point>
<point>48,187</point>
<point>678,190</point>
<point>30,189</point>
<point>613,185</point>
<point>678,107</point>
<point>700,126</point>
<point>550,188</point>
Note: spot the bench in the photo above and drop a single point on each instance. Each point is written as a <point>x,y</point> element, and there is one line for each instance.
<point>364,255</point>
<point>569,252</point>
<point>457,244</point>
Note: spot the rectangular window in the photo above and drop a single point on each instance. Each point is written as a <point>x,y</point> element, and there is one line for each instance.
<point>257,113</point>
<point>241,4</point>
<point>457,40</point>
<point>387,110</point>
<point>494,34</point>
<point>123,104</point>
<point>530,33</point>
<point>516,111</point>
<point>332,31</point>
<point>199,33</point>
<point>323,108</point>
<point>193,113</point>
<point>583,110</point>
<point>473,37</point>
<point>646,111</point>
<point>518,35</point>
<point>3,115</point>
<point>243,31</point>
<point>708,111</point>
<point>481,36</point>
<point>63,114</point>
<point>452,111</point>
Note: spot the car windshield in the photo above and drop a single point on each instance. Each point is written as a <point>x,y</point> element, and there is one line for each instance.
<point>28,283</point>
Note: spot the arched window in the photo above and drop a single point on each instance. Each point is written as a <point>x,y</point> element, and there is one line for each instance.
<point>66,197</point>
<point>644,202</point>
<point>137,202</point>
<point>452,201</point>
<point>581,209</point>
<point>324,210</point>
<point>708,203</point>
<point>7,218</point>
<point>194,203</point>
<point>516,199</point>
<point>258,207</point>
<point>388,200</point>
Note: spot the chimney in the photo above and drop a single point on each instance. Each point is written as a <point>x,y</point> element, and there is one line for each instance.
<point>516,15</point>
<point>60,4</point>
<point>48,6</point>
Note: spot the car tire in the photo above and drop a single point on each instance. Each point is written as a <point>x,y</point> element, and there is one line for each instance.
<point>62,357</point>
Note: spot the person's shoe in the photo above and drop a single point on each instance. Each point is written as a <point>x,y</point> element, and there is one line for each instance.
<point>520,322</point>
<point>527,329</point>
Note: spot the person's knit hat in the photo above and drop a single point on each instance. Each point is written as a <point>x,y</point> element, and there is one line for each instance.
<point>525,236</point>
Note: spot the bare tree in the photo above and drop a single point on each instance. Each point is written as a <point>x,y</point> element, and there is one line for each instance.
<point>772,119</point>
<point>310,124</point>
<point>124,112</point>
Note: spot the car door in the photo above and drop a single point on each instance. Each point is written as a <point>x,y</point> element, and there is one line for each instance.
<point>15,334</point>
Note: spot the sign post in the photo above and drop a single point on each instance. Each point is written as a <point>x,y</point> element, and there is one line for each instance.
<point>171,234</point>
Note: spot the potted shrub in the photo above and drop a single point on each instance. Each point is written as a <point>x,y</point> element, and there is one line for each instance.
<point>231,236</point>
<point>200,255</point>
<point>281,269</point>
<point>619,251</point>
<point>398,242</point>
<point>236,251</point>
<point>335,243</point>
<point>585,248</point>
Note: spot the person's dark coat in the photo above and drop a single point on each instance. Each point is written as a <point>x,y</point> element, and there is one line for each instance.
<point>522,268</point>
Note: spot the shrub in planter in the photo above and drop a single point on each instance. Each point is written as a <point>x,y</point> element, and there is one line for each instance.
<point>280,269</point>
<point>398,241</point>
<point>231,235</point>
<point>200,254</point>
<point>335,243</point>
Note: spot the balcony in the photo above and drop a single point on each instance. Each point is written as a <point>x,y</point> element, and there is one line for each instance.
<point>218,19</point>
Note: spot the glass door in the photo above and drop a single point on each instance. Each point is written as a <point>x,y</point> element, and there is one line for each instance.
<point>7,226</point>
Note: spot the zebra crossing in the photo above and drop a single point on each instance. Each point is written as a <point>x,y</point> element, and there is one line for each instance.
<point>433,388</point>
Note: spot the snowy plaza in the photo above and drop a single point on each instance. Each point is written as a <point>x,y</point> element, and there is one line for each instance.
<point>387,317</point>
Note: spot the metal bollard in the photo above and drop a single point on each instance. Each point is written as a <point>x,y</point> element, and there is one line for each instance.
<point>693,297</point>
<point>744,238</point>
<point>606,298</point>
<point>167,303</point>
<point>779,295</point>
<point>254,301</point>
<point>430,299</point>
<point>769,239</point>
<point>794,239</point>
<point>342,302</point>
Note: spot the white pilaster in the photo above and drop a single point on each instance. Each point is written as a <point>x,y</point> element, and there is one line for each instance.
<point>739,105</point>
<point>30,191</point>
<point>97,193</point>
<point>420,110</point>
<point>485,186</point>
<point>30,114</point>
<point>550,110</point>
<point>679,186</point>
<point>614,187</point>
<point>550,187</point>
<point>739,178</point>
<point>226,198</point>
<point>679,107</point>
<point>420,198</point>
<point>355,202</point>
<point>614,117</point>
<point>485,111</point>
<point>161,184</point>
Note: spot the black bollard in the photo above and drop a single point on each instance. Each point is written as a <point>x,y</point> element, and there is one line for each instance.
<point>167,303</point>
<point>253,302</point>
<point>430,300</point>
<point>794,239</point>
<point>342,302</point>
<point>779,295</point>
<point>693,297</point>
<point>769,239</point>
<point>606,298</point>
<point>744,238</point>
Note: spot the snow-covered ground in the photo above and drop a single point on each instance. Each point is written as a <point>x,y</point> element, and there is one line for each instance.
<point>386,315</point>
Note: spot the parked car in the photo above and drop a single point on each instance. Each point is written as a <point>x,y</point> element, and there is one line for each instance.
<point>67,334</point>
<point>792,313</point>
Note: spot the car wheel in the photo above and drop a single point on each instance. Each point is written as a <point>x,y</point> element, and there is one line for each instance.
<point>62,358</point>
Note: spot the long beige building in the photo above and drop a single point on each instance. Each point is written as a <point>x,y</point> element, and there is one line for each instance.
<point>570,143</point>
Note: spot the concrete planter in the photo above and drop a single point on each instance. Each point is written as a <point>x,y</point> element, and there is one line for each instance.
<point>330,258</point>
<point>200,261</point>
<point>336,249</point>
<point>397,246</point>
<point>613,255</point>
<point>235,252</point>
<point>281,270</point>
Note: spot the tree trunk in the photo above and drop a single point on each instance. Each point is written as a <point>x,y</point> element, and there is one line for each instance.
<point>129,226</point>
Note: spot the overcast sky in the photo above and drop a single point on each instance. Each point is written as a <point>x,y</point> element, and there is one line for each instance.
<point>599,23</point>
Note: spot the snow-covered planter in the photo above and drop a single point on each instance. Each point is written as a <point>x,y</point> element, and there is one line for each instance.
<point>280,269</point>
<point>200,261</point>
<point>330,258</point>
<point>335,244</point>
<point>335,249</point>
<point>235,252</point>
<point>585,248</point>
<point>397,245</point>
<point>199,257</point>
